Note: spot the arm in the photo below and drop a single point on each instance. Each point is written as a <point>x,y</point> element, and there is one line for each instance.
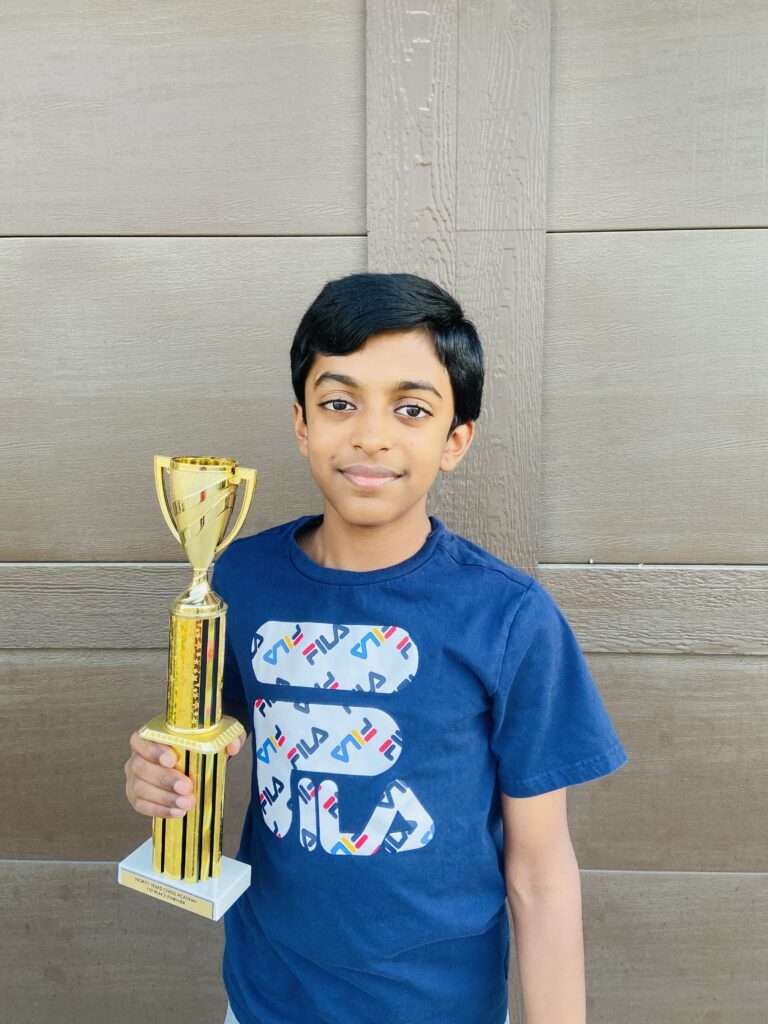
<point>544,893</point>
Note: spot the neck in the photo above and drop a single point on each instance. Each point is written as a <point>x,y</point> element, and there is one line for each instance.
<point>364,547</point>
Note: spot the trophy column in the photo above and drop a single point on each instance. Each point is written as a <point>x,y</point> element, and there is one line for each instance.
<point>189,847</point>
<point>182,862</point>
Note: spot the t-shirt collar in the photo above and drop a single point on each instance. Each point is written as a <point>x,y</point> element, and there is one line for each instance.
<point>308,567</point>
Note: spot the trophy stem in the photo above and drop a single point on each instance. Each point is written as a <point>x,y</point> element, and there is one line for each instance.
<point>195,668</point>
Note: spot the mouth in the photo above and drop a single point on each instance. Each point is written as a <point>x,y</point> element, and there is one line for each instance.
<point>368,481</point>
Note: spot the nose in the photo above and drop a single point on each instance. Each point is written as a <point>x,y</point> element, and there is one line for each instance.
<point>371,431</point>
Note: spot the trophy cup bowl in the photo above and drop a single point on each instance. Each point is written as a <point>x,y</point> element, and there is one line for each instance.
<point>182,862</point>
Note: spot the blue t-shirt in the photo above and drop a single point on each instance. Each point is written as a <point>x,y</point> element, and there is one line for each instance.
<point>389,709</point>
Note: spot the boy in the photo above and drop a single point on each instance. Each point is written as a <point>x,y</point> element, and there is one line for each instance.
<point>417,708</point>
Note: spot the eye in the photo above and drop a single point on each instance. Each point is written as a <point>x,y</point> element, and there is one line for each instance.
<point>420,409</point>
<point>329,400</point>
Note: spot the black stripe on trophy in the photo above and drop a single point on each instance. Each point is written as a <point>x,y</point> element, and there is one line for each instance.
<point>201,805</point>
<point>214,803</point>
<point>162,847</point>
<point>215,677</point>
<point>204,673</point>
<point>184,820</point>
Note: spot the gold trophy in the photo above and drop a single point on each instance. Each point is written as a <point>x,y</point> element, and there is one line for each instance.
<point>182,862</point>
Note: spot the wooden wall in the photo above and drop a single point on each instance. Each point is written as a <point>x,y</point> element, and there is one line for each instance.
<point>177,184</point>
<point>590,180</point>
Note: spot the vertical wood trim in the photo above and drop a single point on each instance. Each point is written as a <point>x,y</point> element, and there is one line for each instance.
<point>457,101</point>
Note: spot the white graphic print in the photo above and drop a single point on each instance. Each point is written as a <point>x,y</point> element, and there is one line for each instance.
<point>344,740</point>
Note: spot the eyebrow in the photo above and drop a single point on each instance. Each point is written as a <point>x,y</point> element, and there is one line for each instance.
<point>403,385</point>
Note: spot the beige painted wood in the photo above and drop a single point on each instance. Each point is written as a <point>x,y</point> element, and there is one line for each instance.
<point>457,122</point>
<point>692,795</point>
<point>115,349</point>
<point>503,125</point>
<point>690,798</point>
<point>85,950</point>
<point>621,609</point>
<point>654,387</point>
<point>491,497</point>
<point>685,609</point>
<point>658,115</point>
<point>672,947</point>
<point>183,119</point>
<point>69,715</point>
<point>669,946</point>
<point>655,393</point>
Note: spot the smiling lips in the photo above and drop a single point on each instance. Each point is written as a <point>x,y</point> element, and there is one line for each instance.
<point>369,476</point>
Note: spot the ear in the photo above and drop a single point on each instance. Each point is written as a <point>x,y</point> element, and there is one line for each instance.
<point>457,445</point>
<point>300,428</point>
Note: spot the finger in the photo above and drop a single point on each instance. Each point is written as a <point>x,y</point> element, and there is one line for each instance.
<point>157,810</point>
<point>236,746</point>
<point>160,753</point>
<point>167,779</point>
<point>151,794</point>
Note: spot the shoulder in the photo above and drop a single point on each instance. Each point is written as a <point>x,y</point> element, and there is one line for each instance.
<point>481,568</point>
<point>521,605</point>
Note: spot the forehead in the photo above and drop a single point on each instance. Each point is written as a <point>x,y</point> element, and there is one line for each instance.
<point>385,358</point>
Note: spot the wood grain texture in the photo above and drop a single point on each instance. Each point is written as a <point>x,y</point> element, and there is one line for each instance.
<point>86,950</point>
<point>71,715</point>
<point>664,946</point>
<point>457,122</point>
<point>671,947</point>
<point>411,137</point>
<point>115,349</point>
<point>684,609</point>
<point>692,794</point>
<point>491,496</point>
<point>690,798</point>
<point>183,119</point>
<point>659,115</point>
<point>613,609</point>
<point>655,395</point>
<point>503,115</point>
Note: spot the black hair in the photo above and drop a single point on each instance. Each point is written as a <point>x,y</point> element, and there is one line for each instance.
<point>350,309</point>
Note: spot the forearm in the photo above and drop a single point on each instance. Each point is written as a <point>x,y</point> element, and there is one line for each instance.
<point>550,949</point>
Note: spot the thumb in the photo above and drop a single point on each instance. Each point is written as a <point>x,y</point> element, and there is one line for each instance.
<point>235,746</point>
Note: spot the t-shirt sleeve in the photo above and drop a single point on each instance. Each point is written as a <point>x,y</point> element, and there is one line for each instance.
<point>550,725</point>
<point>233,699</point>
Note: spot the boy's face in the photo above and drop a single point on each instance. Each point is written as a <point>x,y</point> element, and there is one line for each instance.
<point>373,418</point>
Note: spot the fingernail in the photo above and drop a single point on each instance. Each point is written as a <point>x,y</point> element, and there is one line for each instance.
<point>177,812</point>
<point>167,759</point>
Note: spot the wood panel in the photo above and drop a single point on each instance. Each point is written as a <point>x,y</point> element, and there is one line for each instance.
<point>654,384</point>
<point>86,950</point>
<point>663,609</point>
<point>622,609</point>
<point>69,715</point>
<point>691,797</point>
<point>671,947</point>
<point>457,123</point>
<point>658,115</point>
<point>137,346</point>
<point>183,119</point>
<point>655,391</point>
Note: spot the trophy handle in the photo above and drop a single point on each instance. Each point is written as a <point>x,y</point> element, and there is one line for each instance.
<point>249,476</point>
<point>164,462</point>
